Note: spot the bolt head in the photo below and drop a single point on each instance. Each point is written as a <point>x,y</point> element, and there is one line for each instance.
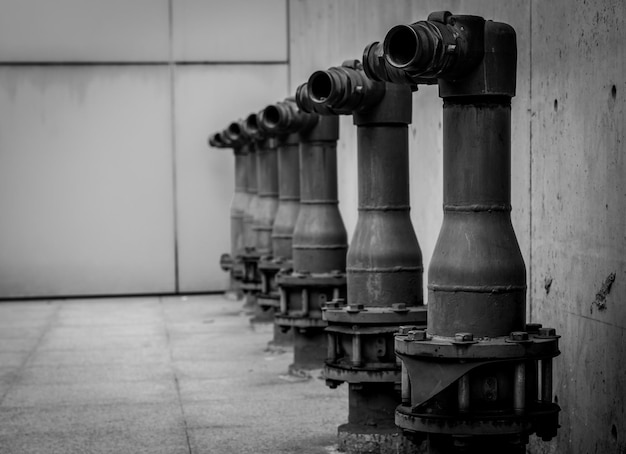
<point>416,335</point>
<point>519,336</point>
<point>547,332</point>
<point>463,337</point>
<point>533,327</point>
<point>404,329</point>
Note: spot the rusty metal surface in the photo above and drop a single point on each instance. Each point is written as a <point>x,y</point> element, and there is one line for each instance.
<point>384,262</point>
<point>473,376</point>
<point>477,277</point>
<point>267,189</point>
<point>481,349</point>
<point>288,195</point>
<point>396,315</point>
<point>319,237</point>
<point>338,374</point>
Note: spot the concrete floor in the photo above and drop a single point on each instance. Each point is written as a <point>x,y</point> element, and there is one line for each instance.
<point>154,375</point>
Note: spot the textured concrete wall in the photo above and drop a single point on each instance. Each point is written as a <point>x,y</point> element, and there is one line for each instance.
<point>568,170</point>
<point>107,185</point>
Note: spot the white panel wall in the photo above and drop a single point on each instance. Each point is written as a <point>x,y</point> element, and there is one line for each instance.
<point>107,185</point>
<point>84,30</point>
<point>230,30</point>
<point>207,98</point>
<point>85,181</point>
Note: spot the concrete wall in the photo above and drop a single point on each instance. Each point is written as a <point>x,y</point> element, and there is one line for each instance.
<point>107,185</point>
<point>568,168</point>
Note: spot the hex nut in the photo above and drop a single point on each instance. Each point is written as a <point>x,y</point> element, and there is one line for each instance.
<point>404,329</point>
<point>463,337</point>
<point>519,336</point>
<point>533,327</point>
<point>416,335</point>
<point>547,332</point>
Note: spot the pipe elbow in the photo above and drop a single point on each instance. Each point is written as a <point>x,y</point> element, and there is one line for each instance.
<point>216,141</point>
<point>444,46</point>
<point>376,67</point>
<point>234,134</point>
<point>285,118</point>
<point>344,89</point>
<point>252,127</point>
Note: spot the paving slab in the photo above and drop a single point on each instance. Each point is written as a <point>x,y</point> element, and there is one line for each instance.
<point>156,375</point>
<point>42,395</point>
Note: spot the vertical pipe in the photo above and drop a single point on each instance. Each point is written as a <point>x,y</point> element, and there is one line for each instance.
<point>283,300</point>
<point>477,277</point>
<point>546,380</point>
<point>464,393</point>
<point>356,350</point>
<point>289,196</point>
<point>319,237</point>
<point>238,205</point>
<point>253,200</point>
<point>384,264</point>
<point>305,302</point>
<point>406,386</point>
<point>267,181</point>
<point>332,347</point>
<point>519,388</point>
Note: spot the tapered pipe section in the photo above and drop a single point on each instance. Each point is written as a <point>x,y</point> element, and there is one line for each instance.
<point>267,177</point>
<point>267,183</point>
<point>289,195</point>
<point>285,121</point>
<point>477,278</point>
<point>240,199</point>
<point>233,137</point>
<point>319,237</point>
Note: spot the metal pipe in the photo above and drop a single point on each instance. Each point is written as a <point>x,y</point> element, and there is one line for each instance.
<point>285,121</point>
<point>319,236</point>
<point>519,389</point>
<point>332,347</point>
<point>267,183</point>
<point>405,386</point>
<point>546,380</point>
<point>384,262</point>
<point>319,244</point>
<point>476,279</point>
<point>356,350</point>
<point>464,393</point>
<point>389,270</point>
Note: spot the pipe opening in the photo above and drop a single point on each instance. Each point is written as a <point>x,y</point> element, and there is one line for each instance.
<point>320,86</point>
<point>271,116</point>
<point>234,128</point>
<point>401,46</point>
<point>252,123</point>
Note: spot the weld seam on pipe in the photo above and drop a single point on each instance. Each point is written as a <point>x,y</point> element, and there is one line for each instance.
<point>385,208</point>
<point>319,202</point>
<point>320,246</point>
<point>477,207</point>
<point>393,269</point>
<point>476,288</point>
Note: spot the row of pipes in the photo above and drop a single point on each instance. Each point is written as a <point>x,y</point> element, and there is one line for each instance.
<point>464,373</point>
